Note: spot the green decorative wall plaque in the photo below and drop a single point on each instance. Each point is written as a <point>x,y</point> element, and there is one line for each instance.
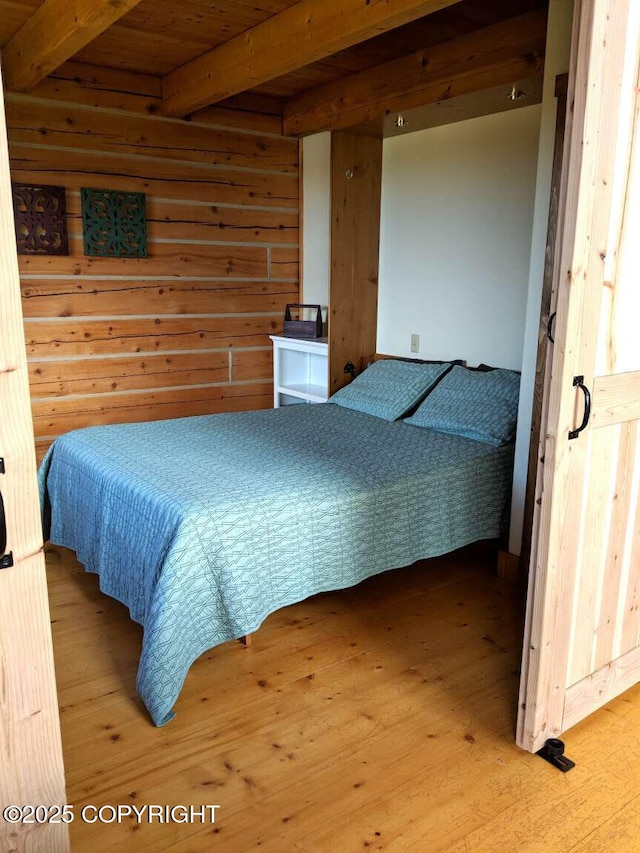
<point>114,224</point>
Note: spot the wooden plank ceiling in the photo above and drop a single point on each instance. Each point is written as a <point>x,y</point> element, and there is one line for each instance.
<point>158,37</point>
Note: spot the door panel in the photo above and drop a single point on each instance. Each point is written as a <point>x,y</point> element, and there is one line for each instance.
<point>618,560</point>
<point>31,771</point>
<point>582,632</point>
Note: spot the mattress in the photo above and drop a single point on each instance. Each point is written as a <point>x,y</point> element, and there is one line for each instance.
<point>203,526</point>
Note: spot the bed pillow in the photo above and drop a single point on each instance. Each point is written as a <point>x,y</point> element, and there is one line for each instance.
<point>389,388</point>
<point>475,404</point>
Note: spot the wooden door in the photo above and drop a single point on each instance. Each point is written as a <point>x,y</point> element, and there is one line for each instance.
<point>31,770</point>
<point>582,635</point>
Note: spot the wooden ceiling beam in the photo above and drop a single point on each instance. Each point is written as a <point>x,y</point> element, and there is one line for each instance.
<point>499,54</point>
<point>56,31</point>
<point>303,33</point>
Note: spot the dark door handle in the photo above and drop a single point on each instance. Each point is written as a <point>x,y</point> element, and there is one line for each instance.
<point>6,560</point>
<point>578,382</point>
<point>552,317</point>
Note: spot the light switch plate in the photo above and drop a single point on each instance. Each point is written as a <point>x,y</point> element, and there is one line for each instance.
<point>415,343</point>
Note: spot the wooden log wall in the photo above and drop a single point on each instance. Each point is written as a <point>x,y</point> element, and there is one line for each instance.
<point>185,330</point>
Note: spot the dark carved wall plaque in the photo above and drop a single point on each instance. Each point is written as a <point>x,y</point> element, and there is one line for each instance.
<point>114,223</point>
<point>40,214</point>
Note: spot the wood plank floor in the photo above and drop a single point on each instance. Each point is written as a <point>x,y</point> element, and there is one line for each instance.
<point>376,718</point>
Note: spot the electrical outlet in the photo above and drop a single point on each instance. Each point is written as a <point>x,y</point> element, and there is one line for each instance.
<point>415,343</point>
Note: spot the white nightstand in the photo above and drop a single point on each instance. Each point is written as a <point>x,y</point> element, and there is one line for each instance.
<point>300,370</point>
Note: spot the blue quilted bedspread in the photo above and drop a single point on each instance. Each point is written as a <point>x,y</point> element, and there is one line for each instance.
<point>203,526</point>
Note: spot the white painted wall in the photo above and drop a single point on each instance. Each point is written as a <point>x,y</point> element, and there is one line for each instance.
<point>457,213</point>
<point>316,213</point>
<point>557,55</point>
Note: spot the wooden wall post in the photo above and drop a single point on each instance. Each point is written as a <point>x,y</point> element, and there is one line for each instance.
<point>356,175</point>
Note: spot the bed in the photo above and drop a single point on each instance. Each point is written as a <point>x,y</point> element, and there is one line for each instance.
<point>203,526</point>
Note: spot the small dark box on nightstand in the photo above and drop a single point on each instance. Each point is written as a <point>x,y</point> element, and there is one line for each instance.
<point>297,326</point>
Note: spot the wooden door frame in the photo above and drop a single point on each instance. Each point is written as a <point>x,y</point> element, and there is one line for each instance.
<point>545,327</point>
